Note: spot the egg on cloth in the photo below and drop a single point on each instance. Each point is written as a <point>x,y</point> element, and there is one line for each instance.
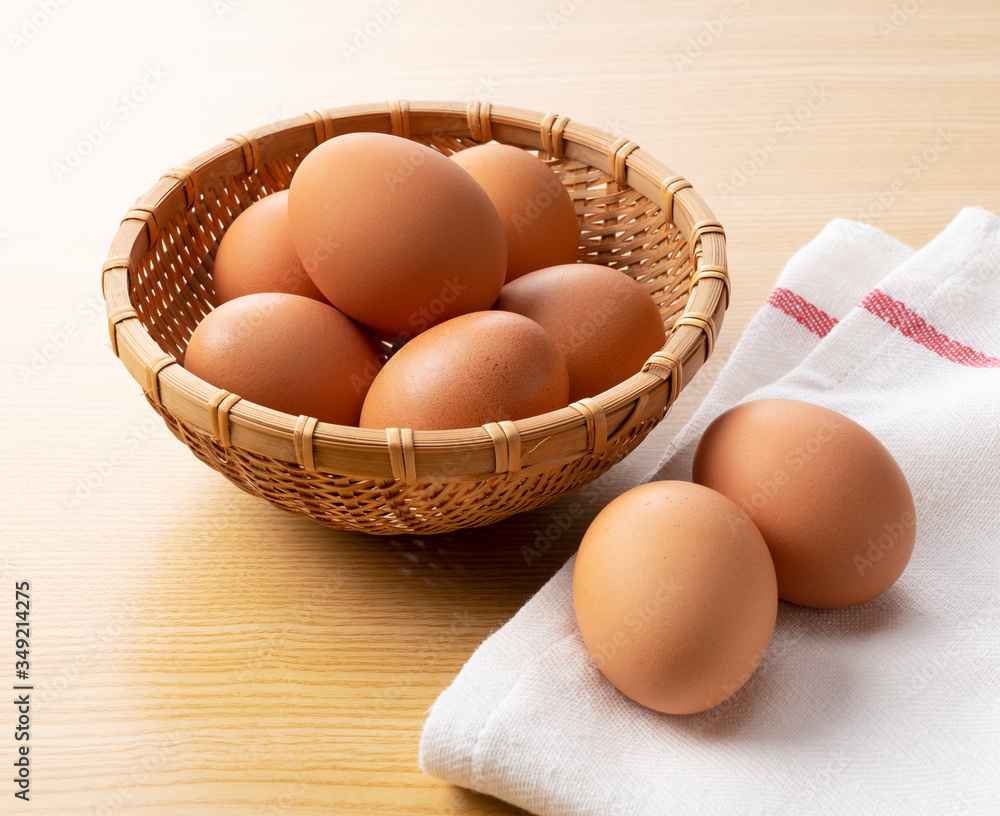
<point>256,254</point>
<point>477,368</point>
<point>539,219</point>
<point>286,352</point>
<point>675,596</point>
<point>394,234</point>
<point>831,502</point>
<point>604,322</point>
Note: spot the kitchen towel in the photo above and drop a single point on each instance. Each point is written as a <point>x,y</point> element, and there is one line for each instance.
<point>889,707</point>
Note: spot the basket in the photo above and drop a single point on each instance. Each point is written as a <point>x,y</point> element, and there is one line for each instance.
<point>634,214</point>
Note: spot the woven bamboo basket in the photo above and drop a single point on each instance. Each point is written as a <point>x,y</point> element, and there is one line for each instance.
<point>635,215</point>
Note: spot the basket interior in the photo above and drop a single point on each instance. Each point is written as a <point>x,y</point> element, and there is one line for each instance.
<point>172,289</point>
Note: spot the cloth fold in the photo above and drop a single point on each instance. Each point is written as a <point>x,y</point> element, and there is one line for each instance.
<point>892,706</point>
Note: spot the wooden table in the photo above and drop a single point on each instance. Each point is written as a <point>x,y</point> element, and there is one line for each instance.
<point>194,651</point>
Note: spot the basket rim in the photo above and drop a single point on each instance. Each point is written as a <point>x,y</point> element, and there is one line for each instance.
<point>509,447</point>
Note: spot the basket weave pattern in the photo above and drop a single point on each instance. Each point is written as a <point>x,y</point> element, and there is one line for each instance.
<point>158,286</point>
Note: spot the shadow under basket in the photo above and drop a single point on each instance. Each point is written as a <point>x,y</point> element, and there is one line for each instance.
<point>635,215</point>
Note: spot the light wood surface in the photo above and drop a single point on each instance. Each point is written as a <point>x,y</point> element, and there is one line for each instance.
<point>194,651</point>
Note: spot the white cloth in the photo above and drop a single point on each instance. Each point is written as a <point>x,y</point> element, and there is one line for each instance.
<point>889,707</point>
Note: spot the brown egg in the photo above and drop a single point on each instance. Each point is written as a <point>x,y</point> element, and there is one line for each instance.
<point>538,215</point>
<point>675,596</point>
<point>286,352</point>
<point>473,369</point>
<point>604,322</point>
<point>257,255</point>
<point>394,234</point>
<point>829,499</point>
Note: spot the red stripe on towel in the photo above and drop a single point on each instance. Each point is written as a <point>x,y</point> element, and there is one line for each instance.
<point>797,307</point>
<point>910,324</point>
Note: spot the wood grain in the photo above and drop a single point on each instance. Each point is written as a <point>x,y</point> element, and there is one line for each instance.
<point>194,650</point>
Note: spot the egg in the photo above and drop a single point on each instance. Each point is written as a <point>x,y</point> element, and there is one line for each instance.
<point>286,352</point>
<point>675,596</point>
<point>473,369</point>
<point>539,219</point>
<point>394,234</point>
<point>256,254</point>
<point>828,497</point>
<point>603,321</point>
